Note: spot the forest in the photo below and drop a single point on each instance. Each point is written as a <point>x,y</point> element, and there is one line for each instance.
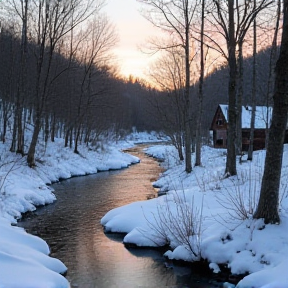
<point>57,74</point>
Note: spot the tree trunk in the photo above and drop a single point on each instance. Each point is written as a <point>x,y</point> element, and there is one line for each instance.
<point>188,163</point>
<point>67,137</point>
<point>21,92</point>
<point>47,129</point>
<point>187,114</point>
<point>269,197</point>
<point>253,99</point>
<point>200,92</point>
<point>239,100</point>
<point>14,133</point>
<point>77,138</point>
<point>4,130</point>
<point>231,137</point>
<point>32,147</point>
<point>179,146</point>
<point>71,138</point>
<point>6,107</point>
<point>20,134</point>
<point>271,77</point>
<point>53,127</point>
<point>60,129</point>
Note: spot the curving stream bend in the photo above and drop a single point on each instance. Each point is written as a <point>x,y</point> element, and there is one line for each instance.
<point>71,226</point>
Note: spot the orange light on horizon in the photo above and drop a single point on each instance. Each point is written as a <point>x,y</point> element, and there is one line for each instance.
<point>133,31</point>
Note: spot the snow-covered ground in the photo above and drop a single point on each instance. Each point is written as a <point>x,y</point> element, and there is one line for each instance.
<point>24,259</point>
<point>205,216</point>
<point>202,214</point>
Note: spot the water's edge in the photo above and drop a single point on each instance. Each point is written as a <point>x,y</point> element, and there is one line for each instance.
<point>71,227</point>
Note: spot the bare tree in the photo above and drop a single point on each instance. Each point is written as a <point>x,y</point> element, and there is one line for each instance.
<point>232,20</point>
<point>253,98</point>
<point>175,17</point>
<point>100,38</point>
<point>200,91</point>
<point>168,74</point>
<point>269,195</point>
<point>54,20</point>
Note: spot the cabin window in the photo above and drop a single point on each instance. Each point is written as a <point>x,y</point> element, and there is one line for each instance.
<point>219,122</point>
<point>219,142</point>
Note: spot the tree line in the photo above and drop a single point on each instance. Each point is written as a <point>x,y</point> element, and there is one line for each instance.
<point>201,36</point>
<point>56,76</point>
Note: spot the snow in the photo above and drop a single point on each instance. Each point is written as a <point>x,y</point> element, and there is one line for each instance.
<point>24,258</point>
<point>262,116</point>
<point>205,215</point>
<point>201,215</point>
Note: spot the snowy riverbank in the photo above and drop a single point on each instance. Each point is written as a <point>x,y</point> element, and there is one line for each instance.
<point>24,260</point>
<point>222,230</point>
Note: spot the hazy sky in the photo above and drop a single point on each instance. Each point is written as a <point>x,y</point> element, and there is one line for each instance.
<point>133,30</point>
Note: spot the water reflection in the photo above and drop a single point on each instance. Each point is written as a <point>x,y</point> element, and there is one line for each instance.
<point>72,228</point>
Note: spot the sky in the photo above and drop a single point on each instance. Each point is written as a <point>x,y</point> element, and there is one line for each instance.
<point>133,30</point>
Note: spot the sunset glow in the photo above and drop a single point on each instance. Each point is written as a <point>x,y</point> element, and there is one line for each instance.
<point>133,31</point>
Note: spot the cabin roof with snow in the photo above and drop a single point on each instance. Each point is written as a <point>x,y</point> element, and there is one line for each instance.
<point>262,116</point>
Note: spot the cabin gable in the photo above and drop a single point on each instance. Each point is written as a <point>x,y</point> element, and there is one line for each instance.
<point>219,128</point>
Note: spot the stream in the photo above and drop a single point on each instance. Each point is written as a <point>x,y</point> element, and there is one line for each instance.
<point>71,227</point>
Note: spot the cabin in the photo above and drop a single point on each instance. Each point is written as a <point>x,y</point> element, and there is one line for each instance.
<point>219,126</point>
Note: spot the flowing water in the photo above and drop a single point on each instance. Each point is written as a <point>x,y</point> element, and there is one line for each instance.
<point>71,226</point>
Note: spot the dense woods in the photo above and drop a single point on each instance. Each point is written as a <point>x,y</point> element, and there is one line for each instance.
<point>117,104</point>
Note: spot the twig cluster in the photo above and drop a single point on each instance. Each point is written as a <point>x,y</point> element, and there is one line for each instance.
<point>179,222</point>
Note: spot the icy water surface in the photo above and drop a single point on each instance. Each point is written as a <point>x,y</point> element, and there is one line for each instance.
<point>71,226</point>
